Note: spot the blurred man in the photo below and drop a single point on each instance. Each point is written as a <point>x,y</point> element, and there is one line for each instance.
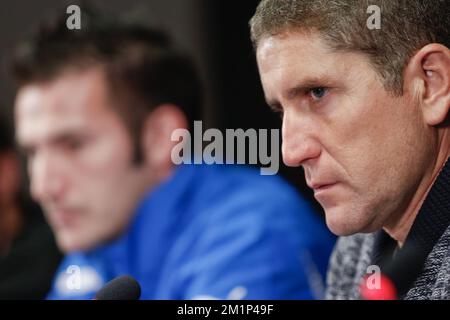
<point>95,111</point>
<point>28,253</point>
<point>365,113</point>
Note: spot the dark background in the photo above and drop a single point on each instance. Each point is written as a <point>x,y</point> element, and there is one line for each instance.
<point>214,32</point>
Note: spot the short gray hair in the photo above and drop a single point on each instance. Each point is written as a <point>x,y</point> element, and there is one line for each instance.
<point>407,26</point>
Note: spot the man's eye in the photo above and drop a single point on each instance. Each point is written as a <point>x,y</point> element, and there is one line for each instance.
<point>318,93</point>
<point>73,145</point>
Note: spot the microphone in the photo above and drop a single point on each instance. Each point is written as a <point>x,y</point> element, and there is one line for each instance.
<point>397,275</point>
<point>386,290</point>
<point>120,288</point>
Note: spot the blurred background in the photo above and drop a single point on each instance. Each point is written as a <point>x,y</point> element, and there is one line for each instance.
<point>215,33</point>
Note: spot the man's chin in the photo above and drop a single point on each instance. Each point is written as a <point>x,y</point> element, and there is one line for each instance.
<point>345,222</point>
<point>70,243</point>
<point>341,230</point>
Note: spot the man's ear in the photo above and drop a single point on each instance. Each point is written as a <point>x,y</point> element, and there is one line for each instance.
<point>157,132</point>
<point>430,68</point>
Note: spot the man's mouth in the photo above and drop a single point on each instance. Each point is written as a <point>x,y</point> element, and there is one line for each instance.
<point>321,188</point>
<point>63,217</point>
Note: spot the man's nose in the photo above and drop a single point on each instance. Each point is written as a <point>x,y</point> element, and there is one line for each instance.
<point>298,144</point>
<point>47,177</point>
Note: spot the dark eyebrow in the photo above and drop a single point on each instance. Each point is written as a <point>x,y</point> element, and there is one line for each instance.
<point>301,88</point>
<point>58,138</point>
<point>305,86</point>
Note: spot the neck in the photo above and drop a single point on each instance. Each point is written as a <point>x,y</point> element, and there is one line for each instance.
<point>399,228</point>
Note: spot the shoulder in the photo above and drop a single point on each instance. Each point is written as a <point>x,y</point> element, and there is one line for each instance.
<point>240,196</point>
<point>243,183</point>
<point>347,264</point>
<point>78,276</point>
<point>434,282</point>
<point>443,276</point>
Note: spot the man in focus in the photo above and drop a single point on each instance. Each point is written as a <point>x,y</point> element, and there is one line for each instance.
<point>365,114</point>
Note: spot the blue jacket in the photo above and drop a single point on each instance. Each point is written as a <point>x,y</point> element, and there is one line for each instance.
<point>211,231</point>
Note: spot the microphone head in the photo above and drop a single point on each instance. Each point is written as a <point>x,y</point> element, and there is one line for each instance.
<point>397,274</point>
<point>386,290</point>
<point>120,288</point>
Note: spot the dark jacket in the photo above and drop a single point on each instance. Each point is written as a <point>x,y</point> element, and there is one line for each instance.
<point>421,268</point>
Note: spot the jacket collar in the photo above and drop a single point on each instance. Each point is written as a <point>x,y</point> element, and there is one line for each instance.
<point>404,265</point>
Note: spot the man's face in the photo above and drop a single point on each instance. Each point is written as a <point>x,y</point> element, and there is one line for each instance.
<point>80,158</point>
<point>363,151</point>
